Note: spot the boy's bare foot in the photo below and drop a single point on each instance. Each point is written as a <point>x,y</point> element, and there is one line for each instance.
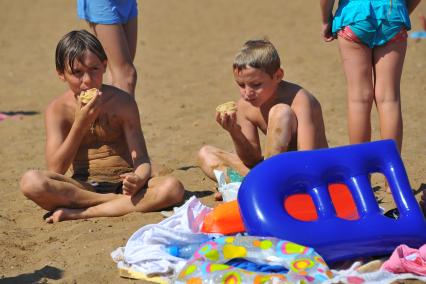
<point>63,214</point>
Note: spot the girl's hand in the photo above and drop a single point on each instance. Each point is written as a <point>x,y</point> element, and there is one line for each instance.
<point>132,183</point>
<point>326,32</point>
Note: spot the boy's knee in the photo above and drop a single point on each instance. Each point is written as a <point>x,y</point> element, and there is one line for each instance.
<point>125,77</point>
<point>364,96</point>
<point>173,189</point>
<point>130,74</point>
<point>281,113</point>
<point>204,153</point>
<point>33,184</point>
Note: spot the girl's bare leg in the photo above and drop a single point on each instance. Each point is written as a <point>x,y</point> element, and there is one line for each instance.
<point>120,49</point>
<point>388,63</point>
<point>131,32</point>
<point>357,65</point>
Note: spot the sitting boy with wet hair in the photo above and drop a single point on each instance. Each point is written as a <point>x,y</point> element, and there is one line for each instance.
<point>98,135</point>
<point>289,116</point>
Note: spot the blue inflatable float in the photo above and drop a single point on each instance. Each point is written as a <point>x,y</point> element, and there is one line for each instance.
<point>263,190</point>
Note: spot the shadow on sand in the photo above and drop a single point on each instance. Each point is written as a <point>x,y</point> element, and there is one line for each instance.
<point>20,112</point>
<point>38,276</point>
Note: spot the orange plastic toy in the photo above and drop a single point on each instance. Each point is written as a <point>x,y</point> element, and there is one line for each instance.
<point>226,219</point>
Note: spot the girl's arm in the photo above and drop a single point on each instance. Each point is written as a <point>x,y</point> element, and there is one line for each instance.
<point>327,10</point>
<point>327,19</point>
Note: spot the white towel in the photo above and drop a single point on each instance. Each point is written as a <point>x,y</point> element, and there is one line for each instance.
<point>145,250</point>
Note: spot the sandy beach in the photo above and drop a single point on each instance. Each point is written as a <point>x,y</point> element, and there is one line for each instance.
<point>184,55</point>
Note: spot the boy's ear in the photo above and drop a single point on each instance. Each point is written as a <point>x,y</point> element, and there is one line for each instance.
<point>105,63</point>
<point>279,75</point>
<point>61,75</point>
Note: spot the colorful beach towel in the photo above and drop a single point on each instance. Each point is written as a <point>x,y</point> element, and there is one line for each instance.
<point>211,262</point>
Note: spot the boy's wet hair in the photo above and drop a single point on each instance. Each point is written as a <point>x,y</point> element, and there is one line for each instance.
<point>259,54</point>
<point>73,46</point>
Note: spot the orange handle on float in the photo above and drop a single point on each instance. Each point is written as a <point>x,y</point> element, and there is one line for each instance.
<point>226,218</point>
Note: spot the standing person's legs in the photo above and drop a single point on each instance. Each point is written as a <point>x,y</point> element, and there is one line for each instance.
<point>357,65</point>
<point>131,32</point>
<point>119,43</point>
<point>388,63</point>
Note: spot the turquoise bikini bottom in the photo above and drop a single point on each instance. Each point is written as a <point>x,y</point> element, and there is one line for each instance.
<point>372,32</point>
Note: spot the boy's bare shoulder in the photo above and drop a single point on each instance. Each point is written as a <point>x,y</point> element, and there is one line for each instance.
<point>288,90</point>
<point>118,101</point>
<point>296,95</point>
<point>304,103</point>
<point>61,105</point>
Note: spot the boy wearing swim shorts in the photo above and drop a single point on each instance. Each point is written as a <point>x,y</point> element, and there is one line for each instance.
<point>289,116</point>
<point>99,140</point>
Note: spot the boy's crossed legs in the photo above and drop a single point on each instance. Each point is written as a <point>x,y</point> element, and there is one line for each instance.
<point>71,199</point>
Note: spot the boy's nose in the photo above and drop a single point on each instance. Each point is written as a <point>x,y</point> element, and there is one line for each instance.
<point>86,78</point>
<point>249,92</point>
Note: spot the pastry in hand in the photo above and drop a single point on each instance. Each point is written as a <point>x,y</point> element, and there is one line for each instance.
<point>86,96</point>
<point>227,108</point>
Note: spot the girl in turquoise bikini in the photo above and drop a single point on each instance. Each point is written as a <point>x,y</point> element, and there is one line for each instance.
<point>372,36</point>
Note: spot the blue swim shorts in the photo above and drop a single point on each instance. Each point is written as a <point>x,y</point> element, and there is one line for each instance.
<point>107,12</point>
<point>373,32</point>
